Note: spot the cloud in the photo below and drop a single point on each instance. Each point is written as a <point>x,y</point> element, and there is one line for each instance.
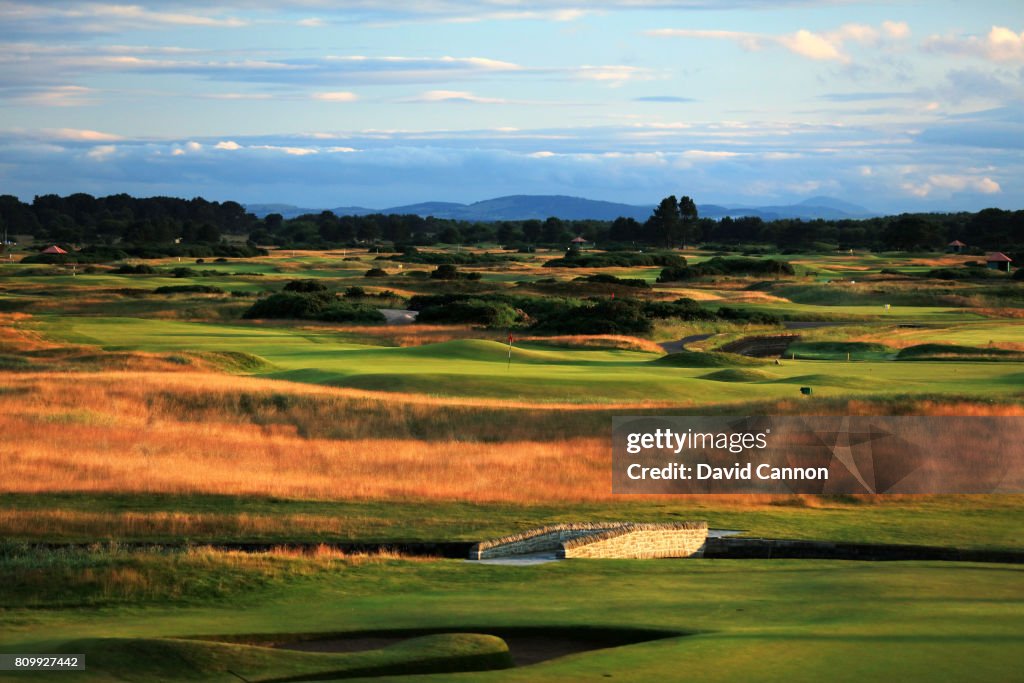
<point>1000,44</point>
<point>456,96</point>
<point>818,46</point>
<point>227,144</point>
<point>57,96</point>
<point>865,96</point>
<point>668,99</point>
<point>79,135</point>
<point>101,152</point>
<point>949,183</point>
<point>96,17</point>
<point>613,75</point>
<point>337,96</point>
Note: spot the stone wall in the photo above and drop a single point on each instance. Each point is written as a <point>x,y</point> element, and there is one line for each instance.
<point>600,539</point>
<point>537,540</point>
<point>639,541</point>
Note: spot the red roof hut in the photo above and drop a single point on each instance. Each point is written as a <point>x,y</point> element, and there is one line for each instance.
<point>54,249</point>
<point>997,260</point>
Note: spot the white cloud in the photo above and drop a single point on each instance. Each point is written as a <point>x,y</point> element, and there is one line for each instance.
<point>896,29</point>
<point>227,144</point>
<point>818,46</point>
<point>456,96</point>
<point>77,134</point>
<point>97,17</point>
<point>952,183</point>
<point>614,74</point>
<point>337,96</point>
<point>101,152</point>
<point>294,151</point>
<point>58,96</point>
<point>1001,44</point>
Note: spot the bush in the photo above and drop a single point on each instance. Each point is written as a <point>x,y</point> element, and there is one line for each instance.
<point>188,289</point>
<point>141,269</point>
<point>183,272</point>
<point>305,286</point>
<point>617,260</point>
<point>606,279</point>
<point>719,265</point>
<point>447,271</point>
<point>470,311</point>
<point>375,272</point>
<point>288,305</point>
<point>603,317</point>
<point>344,312</point>
<point>355,292</point>
<point>312,306</point>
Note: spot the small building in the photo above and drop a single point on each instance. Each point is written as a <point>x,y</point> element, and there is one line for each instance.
<point>997,260</point>
<point>53,249</point>
<point>956,247</point>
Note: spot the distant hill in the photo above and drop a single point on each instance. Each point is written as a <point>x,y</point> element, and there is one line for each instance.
<point>524,207</point>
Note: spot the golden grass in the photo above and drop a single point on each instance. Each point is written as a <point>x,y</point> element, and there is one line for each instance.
<point>193,433</point>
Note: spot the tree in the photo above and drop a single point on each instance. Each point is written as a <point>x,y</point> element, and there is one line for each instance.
<point>687,220</point>
<point>664,223</point>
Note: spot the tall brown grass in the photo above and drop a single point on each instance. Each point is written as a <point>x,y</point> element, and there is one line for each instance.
<point>215,434</point>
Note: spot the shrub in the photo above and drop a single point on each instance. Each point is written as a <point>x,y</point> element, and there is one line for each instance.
<point>183,272</point>
<point>445,271</point>
<point>605,278</point>
<point>305,286</point>
<point>617,260</point>
<point>188,289</point>
<point>470,311</point>
<point>720,265</point>
<point>375,272</point>
<point>619,316</point>
<point>312,306</point>
<point>345,312</point>
<point>288,305</point>
<point>127,269</point>
<point>355,292</point>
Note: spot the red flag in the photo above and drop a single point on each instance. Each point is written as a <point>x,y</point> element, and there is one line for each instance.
<point>613,295</point>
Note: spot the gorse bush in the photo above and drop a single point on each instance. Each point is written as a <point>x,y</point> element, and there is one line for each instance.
<point>312,306</point>
<point>719,265</point>
<point>473,312</point>
<point>305,286</point>
<point>617,260</point>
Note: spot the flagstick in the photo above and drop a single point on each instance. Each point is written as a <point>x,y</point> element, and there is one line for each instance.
<point>509,366</point>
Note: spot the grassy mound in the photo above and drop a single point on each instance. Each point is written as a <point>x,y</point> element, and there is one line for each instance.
<point>697,359</point>
<point>738,375</point>
<point>823,380</point>
<point>149,659</point>
<point>834,350</point>
<point>955,352</point>
<point>234,361</point>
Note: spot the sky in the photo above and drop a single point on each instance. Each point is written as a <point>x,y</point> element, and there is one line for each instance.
<point>895,106</point>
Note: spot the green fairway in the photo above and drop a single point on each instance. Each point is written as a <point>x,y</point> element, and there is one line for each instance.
<point>480,368</point>
<point>775,620</point>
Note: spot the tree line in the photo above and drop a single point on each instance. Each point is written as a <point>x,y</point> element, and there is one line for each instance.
<point>121,219</point>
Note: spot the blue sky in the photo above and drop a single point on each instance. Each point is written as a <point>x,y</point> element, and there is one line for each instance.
<point>893,105</point>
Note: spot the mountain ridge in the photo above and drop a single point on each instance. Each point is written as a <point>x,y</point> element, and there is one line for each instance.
<point>540,207</point>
